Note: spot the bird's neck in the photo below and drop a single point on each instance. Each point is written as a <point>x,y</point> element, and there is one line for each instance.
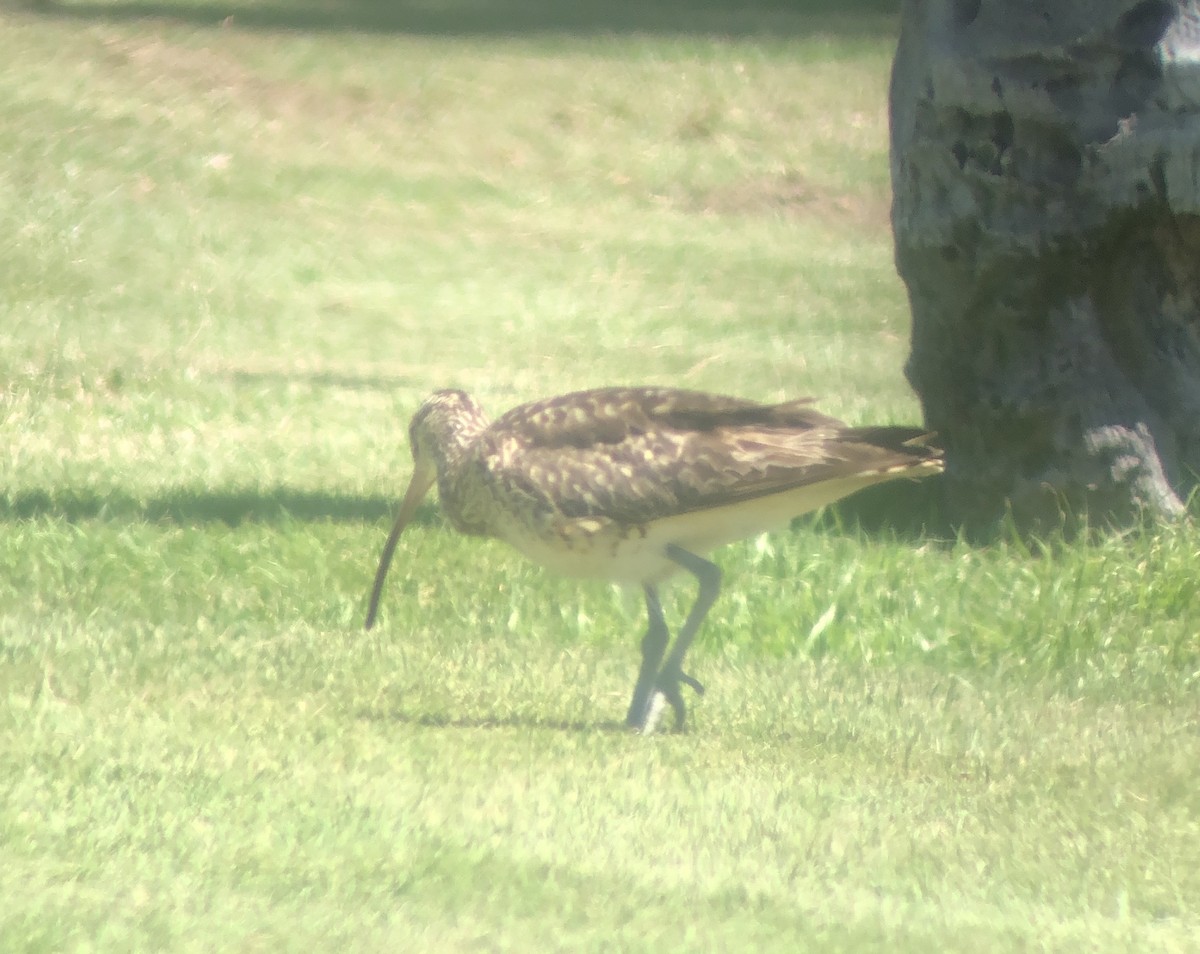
<point>457,473</point>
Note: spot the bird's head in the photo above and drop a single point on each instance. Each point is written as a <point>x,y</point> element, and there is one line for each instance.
<point>445,423</point>
<point>439,435</point>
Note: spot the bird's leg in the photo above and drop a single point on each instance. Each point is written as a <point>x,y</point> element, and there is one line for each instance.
<point>708,577</point>
<point>654,644</point>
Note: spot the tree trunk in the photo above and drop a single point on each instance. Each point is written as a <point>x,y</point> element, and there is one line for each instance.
<point>1046,171</point>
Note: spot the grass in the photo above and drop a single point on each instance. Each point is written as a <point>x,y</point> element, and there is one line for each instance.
<point>235,256</point>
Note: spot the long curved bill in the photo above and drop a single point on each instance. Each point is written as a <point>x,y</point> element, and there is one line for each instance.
<point>418,486</point>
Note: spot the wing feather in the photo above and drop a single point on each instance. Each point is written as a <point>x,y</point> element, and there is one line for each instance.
<point>635,454</point>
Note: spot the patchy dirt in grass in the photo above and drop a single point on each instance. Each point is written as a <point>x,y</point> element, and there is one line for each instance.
<point>212,78</point>
<point>792,195</point>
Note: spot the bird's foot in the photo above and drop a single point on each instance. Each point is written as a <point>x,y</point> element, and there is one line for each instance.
<point>693,682</point>
<point>645,720</point>
<point>669,687</point>
<point>644,717</point>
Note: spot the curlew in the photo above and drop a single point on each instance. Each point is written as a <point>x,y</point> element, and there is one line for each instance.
<point>633,485</point>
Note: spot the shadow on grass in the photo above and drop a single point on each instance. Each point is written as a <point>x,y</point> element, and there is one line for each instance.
<point>904,510</point>
<point>342,381</point>
<point>909,510</point>
<point>437,721</point>
<point>762,18</point>
<point>188,507</point>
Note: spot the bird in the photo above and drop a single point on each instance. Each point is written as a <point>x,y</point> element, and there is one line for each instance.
<point>636,484</point>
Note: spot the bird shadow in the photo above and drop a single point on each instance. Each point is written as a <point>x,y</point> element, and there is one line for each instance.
<point>428,720</point>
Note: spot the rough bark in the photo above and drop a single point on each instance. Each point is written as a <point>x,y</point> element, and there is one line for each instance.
<point>1046,173</point>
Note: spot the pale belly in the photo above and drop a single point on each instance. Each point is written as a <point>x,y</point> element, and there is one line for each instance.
<point>636,554</point>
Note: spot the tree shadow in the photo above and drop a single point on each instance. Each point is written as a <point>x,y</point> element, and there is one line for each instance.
<point>910,510</point>
<point>484,18</point>
<point>907,510</point>
<point>188,506</point>
<point>339,380</point>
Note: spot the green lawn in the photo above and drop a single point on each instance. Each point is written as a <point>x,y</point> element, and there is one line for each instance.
<point>240,243</point>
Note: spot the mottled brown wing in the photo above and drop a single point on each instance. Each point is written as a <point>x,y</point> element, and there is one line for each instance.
<point>739,463</point>
<point>634,454</point>
<point>605,416</point>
